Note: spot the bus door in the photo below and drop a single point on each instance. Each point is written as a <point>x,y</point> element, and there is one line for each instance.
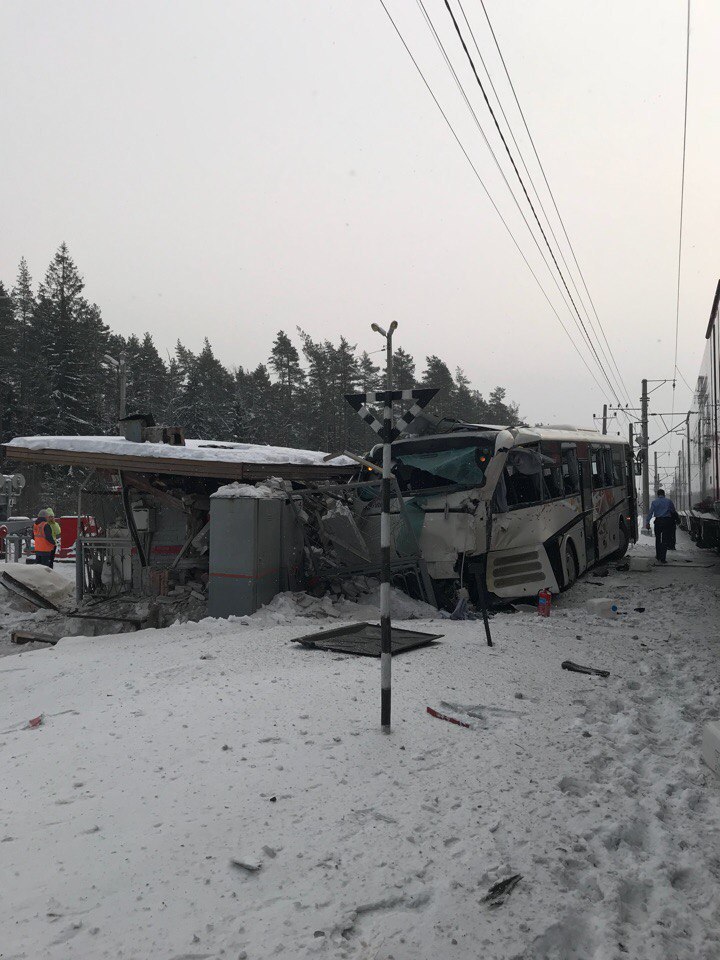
<point>587,506</point>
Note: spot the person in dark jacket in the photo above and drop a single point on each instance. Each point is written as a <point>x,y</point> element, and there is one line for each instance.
<point>44,540</point>
<point>663,509</point>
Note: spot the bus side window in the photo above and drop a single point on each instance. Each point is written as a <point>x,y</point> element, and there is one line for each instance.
<point>551,471</point>
<point>552,483</point>
<point>608,466</point>
<point>618,465</point>
<point>570,472</point>
<point>523,477</point>
<point>602,467</point>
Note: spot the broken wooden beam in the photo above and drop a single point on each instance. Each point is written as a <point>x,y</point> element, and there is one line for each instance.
<point>29,636</point>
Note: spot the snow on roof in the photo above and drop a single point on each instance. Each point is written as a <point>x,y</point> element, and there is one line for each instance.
<point>259,491</point>
<point>195,450</point>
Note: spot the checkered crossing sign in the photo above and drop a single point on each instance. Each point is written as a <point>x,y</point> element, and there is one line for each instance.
<point>359,402</point>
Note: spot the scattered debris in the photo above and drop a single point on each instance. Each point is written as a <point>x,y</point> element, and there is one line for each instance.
<point>444,716</point>
<point>500,891</point>
<point>40,585</point>
<point>363,639</point>
<point>577,668</point>
<point>246,863</point>
<point>602,607</point>
<point>29,636</point>
<point>35,722</point>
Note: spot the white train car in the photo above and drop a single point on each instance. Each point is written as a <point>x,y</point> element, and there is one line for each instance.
<point>696,486</point>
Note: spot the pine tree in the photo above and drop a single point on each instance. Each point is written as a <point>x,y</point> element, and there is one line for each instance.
<point>8,381</point>
<point>206,401</point>
<point>252,406</point>
<point>369,377</point>
<point>178,372</point>
<point>318,411</point>
<point>332,372</point>
<point>438,375</point>
<point>151,378</point>
<point>285,407</point>
<point>403,370</point>
<point>70,338</point>
<point>501,412</point>
<point>25,305</point>
<point>465,403</point>
<point>345,378</point>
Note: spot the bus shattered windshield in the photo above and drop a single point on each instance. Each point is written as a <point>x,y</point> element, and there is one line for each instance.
<point>442,461</point>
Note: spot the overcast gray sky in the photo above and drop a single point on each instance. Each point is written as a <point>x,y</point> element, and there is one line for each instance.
<point>227,169</point>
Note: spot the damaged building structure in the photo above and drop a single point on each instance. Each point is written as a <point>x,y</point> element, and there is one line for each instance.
<point>180,518</point>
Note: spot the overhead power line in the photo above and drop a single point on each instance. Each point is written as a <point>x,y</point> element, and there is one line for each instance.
<point>545,179</point>
<point>682,183</point>
<point>488,195</point>
<point>527,195</point>
<point>475,117</point>
<point>682,203</point>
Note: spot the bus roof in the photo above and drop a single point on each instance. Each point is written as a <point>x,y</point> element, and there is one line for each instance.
<point>522,435</point>
<point>566,434</point>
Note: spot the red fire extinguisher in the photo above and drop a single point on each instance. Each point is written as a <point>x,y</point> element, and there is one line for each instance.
<point>544,602</point>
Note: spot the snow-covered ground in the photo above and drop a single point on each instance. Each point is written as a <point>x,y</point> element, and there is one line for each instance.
<point>167,757</point>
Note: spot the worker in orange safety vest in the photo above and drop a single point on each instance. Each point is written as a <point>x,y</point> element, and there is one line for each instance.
<point>56,530</point>
<point>44,540</point>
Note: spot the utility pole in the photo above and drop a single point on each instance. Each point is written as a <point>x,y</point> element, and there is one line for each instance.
<point>645,446</point>
<point>657,475</point>
<point>385,572</point>
<point>121,367</point>
<point>122,373</point>
<point>681,468</point>
<point>604,426</point>
<point>688,463</point>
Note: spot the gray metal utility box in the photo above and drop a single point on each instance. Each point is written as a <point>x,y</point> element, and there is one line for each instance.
<point>246,554</point>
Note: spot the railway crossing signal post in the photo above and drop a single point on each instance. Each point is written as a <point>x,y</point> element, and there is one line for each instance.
<point>385,573</point>
<point>388,431</point>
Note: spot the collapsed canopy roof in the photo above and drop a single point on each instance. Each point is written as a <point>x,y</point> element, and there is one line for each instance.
<point>204,458</point>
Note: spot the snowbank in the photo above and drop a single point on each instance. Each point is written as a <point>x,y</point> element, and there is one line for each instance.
<point>286,607</point>
<point>193,450</point>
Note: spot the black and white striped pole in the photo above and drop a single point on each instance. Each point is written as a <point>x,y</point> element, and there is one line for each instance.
<point>385,621</point>
<point>388,432</point>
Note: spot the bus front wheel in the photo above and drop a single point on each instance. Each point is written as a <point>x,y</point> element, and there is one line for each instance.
<point>571,565</point>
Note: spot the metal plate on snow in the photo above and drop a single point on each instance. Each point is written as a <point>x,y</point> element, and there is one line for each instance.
<point>363,639</point>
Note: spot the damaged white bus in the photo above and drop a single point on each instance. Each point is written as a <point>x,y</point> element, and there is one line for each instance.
<point>511,511</point>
